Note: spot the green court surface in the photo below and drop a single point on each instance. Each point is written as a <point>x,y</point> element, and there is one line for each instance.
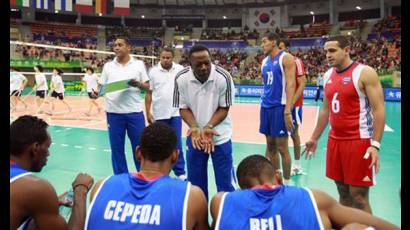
<point>77,150</point>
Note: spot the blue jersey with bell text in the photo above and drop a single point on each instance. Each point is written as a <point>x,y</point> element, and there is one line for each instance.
<point>126,201</point>
<point>281,207</point>
<point>274,82</point>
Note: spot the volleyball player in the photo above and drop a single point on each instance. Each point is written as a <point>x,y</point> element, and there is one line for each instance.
<point>57,90</point>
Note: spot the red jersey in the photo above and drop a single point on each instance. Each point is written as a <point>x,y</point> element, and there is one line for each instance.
<point>300,71</point>
<point>350,112</point>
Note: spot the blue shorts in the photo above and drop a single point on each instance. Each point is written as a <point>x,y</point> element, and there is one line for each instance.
<point>297,115</point>
<point>272,122</point>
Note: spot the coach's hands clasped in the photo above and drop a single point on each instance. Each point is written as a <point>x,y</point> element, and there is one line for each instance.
<point>202,138</point>
<point>195,133</point>
<point>207,137</point>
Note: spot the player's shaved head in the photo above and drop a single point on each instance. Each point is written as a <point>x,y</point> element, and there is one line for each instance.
<point>254,168</point>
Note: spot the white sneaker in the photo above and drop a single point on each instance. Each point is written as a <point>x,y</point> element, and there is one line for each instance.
<point>297,170</point>
<point>182,177</point>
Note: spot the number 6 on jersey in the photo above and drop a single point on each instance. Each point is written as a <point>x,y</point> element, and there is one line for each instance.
<point>335,104</point>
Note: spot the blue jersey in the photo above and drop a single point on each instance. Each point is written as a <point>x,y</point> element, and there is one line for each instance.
<point>274,82</point>
<point>17,172</point>
<point>284,207</point>
<point>125,201</point>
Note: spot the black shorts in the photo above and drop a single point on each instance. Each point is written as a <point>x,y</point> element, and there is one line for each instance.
<point>59,95</point>
<point>90,95</point>
<point>41,93</point>
<point>16,93</point>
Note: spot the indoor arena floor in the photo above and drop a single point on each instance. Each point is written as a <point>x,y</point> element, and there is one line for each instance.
<point>80,144</point>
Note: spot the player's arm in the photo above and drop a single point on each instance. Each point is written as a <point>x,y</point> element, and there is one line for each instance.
<point>337,215</point>
<point>301,80</point>
<point>188,117</point>
<point>41,202</point>
<point>301,86</point>
<point>289,68</point>
<point>144,78</point>
<point>374,93</point>
<point>197,211</point>
<point>321,124</point>
<point>148,102</point>
<point>148,98</point>
<point>81,185</point>
<point>141,85</point>
<point>144,82</point>
<point>219,115</point>
<point>179,101</point>
<point>24,83</point>
<point>215,206</point>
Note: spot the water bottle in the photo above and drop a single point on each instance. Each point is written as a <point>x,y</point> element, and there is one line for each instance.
<point>66,211</point>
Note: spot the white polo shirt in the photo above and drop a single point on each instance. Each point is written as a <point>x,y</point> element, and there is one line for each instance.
<point>40,78</point>
<point>92,82</point>
<point>129,99</point>
<point>204,99</point>
<point>16,79</point>
<point>161,83</point>
<point>58,83</point>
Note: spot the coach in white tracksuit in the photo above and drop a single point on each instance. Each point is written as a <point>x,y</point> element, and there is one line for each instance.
<point>124,107</point>
<point>161,83</point>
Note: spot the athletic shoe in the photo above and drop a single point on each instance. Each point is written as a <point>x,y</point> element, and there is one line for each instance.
<point>182,177</point>
<point>297,170</point>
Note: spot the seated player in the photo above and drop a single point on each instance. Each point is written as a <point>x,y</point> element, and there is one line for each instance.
<point>33,198</point>
<point>264,203</point>
<point>149,199</point>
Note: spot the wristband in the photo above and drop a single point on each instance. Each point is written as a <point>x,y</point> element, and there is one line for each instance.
<point>209,126</point>
<point>375,144</point>
<point>194,126</point>
<point>75,186</point>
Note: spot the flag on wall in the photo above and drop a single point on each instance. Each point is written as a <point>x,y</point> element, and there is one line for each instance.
<point>101,6</point>
<point>63,5</point>
<point>43,4</point>
<point>25,3</point>
<point>84,6</point>
<point>121,7</point>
